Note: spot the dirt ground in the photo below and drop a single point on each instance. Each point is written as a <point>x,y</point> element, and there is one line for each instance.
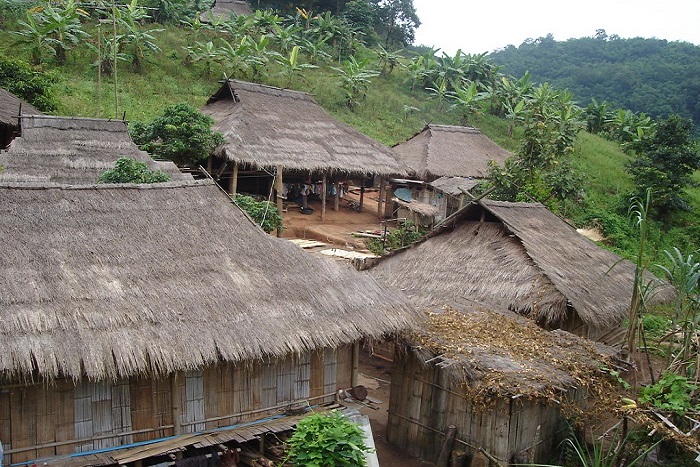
<point>335,231</point>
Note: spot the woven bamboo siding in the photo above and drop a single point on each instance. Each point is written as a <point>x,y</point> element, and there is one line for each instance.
<point>37,415</point>
<point>422,405</point>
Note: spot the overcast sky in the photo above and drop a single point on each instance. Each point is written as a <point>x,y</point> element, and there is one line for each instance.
<point>478,27</point>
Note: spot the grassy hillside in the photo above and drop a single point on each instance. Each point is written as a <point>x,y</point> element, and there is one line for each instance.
<point>390,113</point>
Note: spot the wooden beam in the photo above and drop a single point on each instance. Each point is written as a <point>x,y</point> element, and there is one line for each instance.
<point>280,205</point>
<point>233,187</point>
<point>362,193</point>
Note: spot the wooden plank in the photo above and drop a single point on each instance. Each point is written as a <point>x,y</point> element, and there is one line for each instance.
<point>142,407</point>
<point>211,381</point>
<point>65,426</point>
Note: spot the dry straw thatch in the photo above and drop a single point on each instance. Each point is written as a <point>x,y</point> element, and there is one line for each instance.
<point>117,280</point>
<point>453,151</point>
<point>10,108</point>
<point>266,126</point>
<point>499,353</point>
<point>520,256</point>
<point>72,150</point>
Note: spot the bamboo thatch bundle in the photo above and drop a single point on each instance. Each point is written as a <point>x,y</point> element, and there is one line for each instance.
<point>266,126</point>
<point>118,280</point>
<point>72,150</point>
<point>10,108</point>
<point>453,151</point>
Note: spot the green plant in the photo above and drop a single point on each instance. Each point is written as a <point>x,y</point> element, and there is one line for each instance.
<point>403,235</point>
<point>322,440</point>
<point>128,170</point>
<point>264,213</point>
<point>52,29</point>
<point>355,79</point>
<point>181,133</point>
<point>22,80</point>
<point>672,392</point>
<point>620,449</point>
<point>141,41</point>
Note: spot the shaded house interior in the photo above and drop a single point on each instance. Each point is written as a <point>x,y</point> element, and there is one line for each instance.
<point>11,107</point>
<point>279,136</point>
<point>138,313</point>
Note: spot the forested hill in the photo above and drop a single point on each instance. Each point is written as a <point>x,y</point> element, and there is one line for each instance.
<point>643,75</point>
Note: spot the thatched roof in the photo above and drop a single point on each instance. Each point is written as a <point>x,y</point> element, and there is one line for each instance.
<point>224,8</point>
<point>110,281</point>
<point>453,151</point>
<point>10,107</point>
<point>521,256</point>
<point>454,186</point>
<point>72,150</point>
<point>266,126</point>
<point>494,352</point>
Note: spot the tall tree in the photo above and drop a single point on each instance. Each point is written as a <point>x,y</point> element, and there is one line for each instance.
<point>395,21</point>
<point>665,163</point>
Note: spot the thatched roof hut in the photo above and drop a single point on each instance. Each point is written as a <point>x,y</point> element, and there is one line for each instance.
<point>224,8</point>
<point>453,151</point>
<point>72,150</point>
<point>112,281</point>
<point>520,256</point>
<point>501,380</point>
<point>10,108</point>
<point>267,127</point>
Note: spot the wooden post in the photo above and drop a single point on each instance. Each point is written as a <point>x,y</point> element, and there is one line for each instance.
<point>210,164</point>
<point>354,377</point>
<point>380,198</point>
<point>324,187</point>
<point>362,193</point>
<point>233,186</point>
<point>444,456</point>
<point>175,403</point>
<point>336,198</point>
<point>280,205</point>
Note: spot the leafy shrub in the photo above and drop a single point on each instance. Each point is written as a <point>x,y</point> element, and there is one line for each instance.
<point>655,326</point>
<point>403,235</point>
<point>673,392</point>
<point>181,133</point>
<point>327,440</point>
<point>127,170</point>
<point>23,81</point>
<point>264,213</point>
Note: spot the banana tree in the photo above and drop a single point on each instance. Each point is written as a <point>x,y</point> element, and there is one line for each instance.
<point>292,67</point>
<point>467,100</point>
<point>141,41</point>
<point>239,59</point>
<point>63,24</point>
<point>355,79</point>
<point>36,35</point>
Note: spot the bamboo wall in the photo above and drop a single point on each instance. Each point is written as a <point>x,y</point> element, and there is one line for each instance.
<point>48,420</point>
<point>423,404</point>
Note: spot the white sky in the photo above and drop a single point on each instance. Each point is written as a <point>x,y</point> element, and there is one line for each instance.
<point>478,27</point>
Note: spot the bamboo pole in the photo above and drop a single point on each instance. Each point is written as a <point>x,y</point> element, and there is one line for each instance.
<point>280,205</point>
<point>175,403</point>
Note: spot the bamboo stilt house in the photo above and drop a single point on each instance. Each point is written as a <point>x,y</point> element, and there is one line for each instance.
<point>135,312</point>
<point>522,257</point>
<point>72,150</point>
<point>271,130</point>
<point>10,108</point>
<point>506,384</point>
